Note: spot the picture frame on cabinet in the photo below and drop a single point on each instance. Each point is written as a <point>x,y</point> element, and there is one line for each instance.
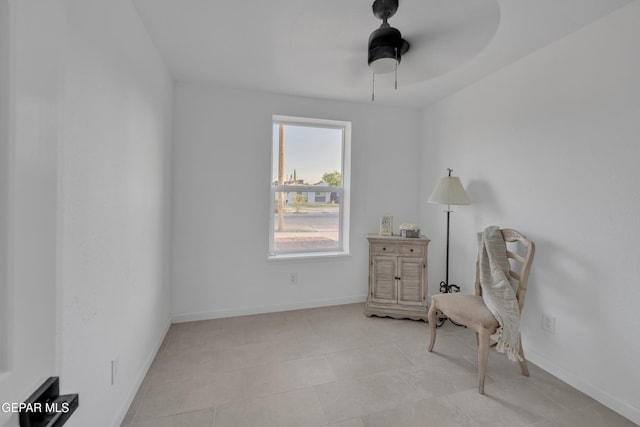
<point>386,225</point>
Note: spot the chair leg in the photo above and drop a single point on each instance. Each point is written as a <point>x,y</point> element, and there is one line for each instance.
<point>523,363</point>
<point>431,316</point>
<point>483,358</point>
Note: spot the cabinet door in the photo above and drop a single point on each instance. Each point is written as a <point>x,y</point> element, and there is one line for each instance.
<point>383,279</point>
<point>411,286</point>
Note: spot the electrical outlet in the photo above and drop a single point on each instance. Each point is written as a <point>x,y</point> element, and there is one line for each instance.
<point>548,323</point>
<point>293,279</point>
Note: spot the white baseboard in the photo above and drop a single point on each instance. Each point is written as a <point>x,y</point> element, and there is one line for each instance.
<point>611,402</point>
<point>243,311</point>
<point>122,413</point>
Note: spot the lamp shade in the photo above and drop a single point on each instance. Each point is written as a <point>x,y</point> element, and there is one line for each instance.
<point>449,191</point>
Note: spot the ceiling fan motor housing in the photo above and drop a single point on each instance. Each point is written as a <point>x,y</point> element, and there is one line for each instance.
<point>386,44</point>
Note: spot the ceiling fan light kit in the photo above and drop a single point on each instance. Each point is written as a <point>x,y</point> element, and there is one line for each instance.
<point>386,45</point>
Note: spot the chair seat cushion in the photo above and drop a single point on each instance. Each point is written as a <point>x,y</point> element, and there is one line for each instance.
<point>467,309</point>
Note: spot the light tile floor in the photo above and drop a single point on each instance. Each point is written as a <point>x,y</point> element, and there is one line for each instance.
<point>333,366</point>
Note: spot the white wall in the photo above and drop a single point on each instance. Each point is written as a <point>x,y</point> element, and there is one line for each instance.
<point>4,179</point>
<point>114,206</point>
<point>90,117</point>
<point>221,201</point>
<point>30,142</point>
<point>549,146</point>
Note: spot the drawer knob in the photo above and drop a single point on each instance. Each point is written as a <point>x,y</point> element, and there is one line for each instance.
<point>411,249</point>
<point>384,249</point>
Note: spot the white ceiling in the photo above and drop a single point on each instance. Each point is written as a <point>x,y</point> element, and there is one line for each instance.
<point>318,48</point>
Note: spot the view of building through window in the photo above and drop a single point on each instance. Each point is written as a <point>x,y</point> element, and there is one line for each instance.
<point>308,185</point>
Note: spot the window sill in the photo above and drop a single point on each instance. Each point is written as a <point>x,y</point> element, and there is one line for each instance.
<point>308,256</point>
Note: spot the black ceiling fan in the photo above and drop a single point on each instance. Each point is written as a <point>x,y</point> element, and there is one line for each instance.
<point>386,45</point>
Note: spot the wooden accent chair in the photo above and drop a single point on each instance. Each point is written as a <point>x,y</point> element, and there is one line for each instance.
<point>469,310</point>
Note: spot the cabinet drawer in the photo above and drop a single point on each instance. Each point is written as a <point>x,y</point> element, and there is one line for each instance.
<point>412,250</point>
<point>384,248</point>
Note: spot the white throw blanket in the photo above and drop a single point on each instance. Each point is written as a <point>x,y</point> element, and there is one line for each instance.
<point>497,291</point>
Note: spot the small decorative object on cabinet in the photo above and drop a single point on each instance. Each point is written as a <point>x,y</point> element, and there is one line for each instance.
<point>386,225</point>
<point>397,277</point>
<point>409,230</point>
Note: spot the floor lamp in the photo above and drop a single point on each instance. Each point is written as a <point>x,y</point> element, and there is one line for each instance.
<point>449,191</point>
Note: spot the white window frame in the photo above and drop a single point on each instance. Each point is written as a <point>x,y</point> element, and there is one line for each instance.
<point>344,191</point>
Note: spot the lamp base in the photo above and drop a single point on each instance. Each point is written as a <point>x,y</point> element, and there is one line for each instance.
<point>446,288</point>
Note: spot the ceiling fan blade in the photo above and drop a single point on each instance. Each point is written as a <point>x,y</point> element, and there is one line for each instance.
<point>355,69</point>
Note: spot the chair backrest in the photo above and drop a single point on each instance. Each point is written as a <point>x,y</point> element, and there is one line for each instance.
<point>522,276</point>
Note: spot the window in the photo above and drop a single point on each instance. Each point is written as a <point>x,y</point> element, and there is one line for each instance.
<point>309,187</point>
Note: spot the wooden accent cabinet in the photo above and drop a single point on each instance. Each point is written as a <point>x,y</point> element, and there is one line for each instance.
<point>397,277</point>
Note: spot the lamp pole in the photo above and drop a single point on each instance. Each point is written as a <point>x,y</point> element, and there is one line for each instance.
<point>448,191</point>
<point>445,287</point>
